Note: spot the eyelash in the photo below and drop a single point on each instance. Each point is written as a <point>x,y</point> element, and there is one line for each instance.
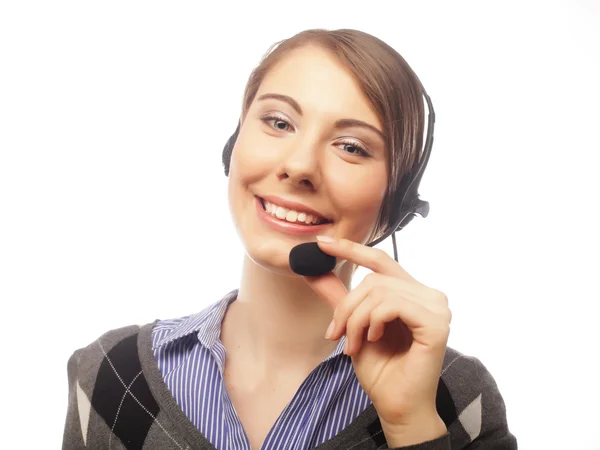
<point>363,152</point>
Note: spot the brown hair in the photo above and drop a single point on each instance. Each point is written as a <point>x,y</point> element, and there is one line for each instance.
<point>388,82</point>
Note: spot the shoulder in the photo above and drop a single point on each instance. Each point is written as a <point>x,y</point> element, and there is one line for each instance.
<point>84,363</point>
<point>465,377</point>
<point>470,402</point>
<point>459,367</point>
<point>99,374</point>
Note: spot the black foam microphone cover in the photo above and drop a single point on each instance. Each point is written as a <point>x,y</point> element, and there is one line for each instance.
<point>310,261</point>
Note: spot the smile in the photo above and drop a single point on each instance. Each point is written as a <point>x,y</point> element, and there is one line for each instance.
<point>291,215</point>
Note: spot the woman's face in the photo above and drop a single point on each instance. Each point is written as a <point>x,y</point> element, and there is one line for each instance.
<point>309,160</point>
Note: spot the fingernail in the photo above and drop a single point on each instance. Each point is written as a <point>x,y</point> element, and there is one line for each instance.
<point>330,329</point>
<point>326,239</point>
<point>346,347</point>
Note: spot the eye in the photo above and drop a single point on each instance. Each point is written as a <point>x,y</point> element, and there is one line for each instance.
<point>353,148</point>
<point>277,122</point>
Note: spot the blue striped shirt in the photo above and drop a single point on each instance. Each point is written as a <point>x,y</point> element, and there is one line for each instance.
<point>191,358</point>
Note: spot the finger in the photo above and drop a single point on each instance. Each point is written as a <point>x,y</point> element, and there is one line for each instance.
<point>426,326</point>
<point>376,329</point>
<point>348,305</point>
<point>372,258</point>
<point>343,303</point>
<point>328,287</point>
<point>357,323</point>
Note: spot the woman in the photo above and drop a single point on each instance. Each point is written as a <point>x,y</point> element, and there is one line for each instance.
<point>331,123</point>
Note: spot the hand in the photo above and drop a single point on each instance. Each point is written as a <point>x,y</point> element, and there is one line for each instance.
<point>396,333</point>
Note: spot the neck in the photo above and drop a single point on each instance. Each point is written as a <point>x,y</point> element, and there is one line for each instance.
<point>279,319</point>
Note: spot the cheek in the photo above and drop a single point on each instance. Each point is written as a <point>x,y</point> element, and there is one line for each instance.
<point>241,174</point>
<point>250,164</point>
<point>246,167</point>
<point>358,194</point>
<point>253,157</point>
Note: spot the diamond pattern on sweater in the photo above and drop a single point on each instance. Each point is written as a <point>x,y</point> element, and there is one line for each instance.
<point>471,417</point>
<point>83,406</point>
<point>122,397</point>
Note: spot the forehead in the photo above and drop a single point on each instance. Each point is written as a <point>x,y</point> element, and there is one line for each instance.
<point>321,84</point>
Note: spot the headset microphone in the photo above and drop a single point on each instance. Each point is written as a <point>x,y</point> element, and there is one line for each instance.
<point>310,261</point>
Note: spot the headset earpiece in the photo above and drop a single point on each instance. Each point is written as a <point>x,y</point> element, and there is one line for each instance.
<point>228,149</point>
<point>410,204</point>
<point>417,206</point>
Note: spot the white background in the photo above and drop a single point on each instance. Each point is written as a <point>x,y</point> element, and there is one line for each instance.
<point>113,200</point>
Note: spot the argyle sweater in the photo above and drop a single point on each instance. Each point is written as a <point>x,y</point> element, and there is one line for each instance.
<point>118,400</point>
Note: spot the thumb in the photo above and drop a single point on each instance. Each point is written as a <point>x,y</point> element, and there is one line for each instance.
<point>329,287</point>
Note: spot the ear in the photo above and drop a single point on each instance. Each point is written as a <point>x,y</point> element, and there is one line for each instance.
<point>228,149</point>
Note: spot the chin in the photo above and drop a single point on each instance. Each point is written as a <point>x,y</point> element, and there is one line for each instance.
<point>272,256</point>
<point>268,241</point>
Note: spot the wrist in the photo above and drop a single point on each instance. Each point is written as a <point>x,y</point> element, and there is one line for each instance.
<point>415,431</point>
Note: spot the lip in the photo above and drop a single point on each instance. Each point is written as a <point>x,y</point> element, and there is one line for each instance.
<point>299,207</point>
<point>288,227</point>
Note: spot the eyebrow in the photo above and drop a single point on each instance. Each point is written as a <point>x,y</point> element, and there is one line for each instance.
<point>342,123</point>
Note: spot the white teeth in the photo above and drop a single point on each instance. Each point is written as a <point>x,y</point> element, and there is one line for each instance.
<point>281,212</point>
<point>290,215</point>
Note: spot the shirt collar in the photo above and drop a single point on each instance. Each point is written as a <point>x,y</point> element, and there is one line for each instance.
<point>207,325</point>
<point>338,349</point>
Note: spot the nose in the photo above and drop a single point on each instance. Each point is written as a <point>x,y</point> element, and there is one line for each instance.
<point>301,165</point>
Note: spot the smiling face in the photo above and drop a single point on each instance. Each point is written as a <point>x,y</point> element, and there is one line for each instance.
<point>309,159</point>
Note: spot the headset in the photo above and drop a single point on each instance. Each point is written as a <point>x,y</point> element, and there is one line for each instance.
<point>406,202</point>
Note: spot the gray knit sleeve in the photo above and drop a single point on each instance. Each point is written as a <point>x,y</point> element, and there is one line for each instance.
<point>480,413</point>
<point>470,404</point>
<point>441,443</point>
<point>495,433</point>
<point>72,437</point>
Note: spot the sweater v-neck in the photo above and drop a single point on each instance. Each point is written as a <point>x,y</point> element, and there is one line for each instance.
<point>168,404</point>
